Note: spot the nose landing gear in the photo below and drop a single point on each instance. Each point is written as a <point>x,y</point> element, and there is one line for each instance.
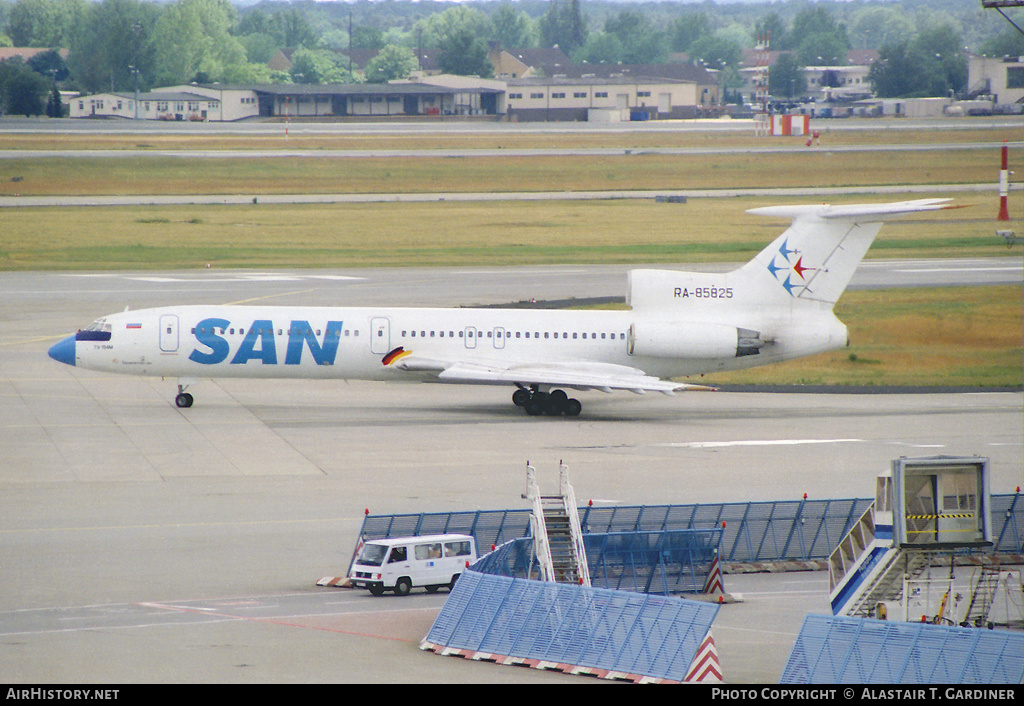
<point>183,399</point>
<point>553,403</point>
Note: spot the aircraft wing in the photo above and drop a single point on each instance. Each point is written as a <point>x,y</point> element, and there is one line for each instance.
<point>579,375</point>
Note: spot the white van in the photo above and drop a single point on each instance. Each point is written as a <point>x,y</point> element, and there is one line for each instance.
<point>400,563</point>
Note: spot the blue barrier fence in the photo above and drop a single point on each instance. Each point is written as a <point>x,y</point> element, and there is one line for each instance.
<point>752,532</point>
<point>763,531</point>
<point>489,527</point>
<point>674,561</point>
<point>841,650</point>
<point>564,624</point>
<point>665,562</point>
<point>514,559</point>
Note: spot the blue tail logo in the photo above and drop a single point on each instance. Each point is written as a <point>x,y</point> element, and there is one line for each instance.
<point>784,263</point>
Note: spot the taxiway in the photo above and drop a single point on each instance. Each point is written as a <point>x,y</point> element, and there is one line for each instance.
<point>143,543</point>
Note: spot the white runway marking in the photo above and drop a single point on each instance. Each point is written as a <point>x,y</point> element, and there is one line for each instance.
<point>962,269</point>
<point>764,442</point>
<point>226,277</point>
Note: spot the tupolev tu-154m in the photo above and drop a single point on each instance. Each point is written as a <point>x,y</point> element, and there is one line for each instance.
<point>776,307</point>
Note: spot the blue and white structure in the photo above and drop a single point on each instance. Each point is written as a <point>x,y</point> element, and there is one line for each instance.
<point>923,508</point>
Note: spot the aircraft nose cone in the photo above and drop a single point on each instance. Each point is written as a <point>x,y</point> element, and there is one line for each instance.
<point>64,352</point>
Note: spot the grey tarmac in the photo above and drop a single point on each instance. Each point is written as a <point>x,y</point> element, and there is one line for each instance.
<point>143,543</point>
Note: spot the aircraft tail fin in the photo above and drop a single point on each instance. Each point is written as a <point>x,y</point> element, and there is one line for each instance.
<point>815,258</point>
<point>812,261</point>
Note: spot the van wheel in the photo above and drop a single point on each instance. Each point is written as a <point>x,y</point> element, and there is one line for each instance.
<point>451,584</point>
<point>403,586</point>
<point>377,590</point>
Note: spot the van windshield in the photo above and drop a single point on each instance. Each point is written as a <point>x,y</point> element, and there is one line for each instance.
<point>372,555</point>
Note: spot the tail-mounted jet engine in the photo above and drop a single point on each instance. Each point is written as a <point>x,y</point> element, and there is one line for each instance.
<point>659,339</point>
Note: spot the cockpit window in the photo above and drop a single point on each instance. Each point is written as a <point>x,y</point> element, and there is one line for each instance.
<point>98,325</point>
<point>98,330</point>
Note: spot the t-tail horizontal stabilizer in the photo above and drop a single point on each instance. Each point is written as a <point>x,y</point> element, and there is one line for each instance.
<point>816,257</point>
<point>862,212</point>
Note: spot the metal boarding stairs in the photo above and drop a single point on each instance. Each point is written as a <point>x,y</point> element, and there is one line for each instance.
<point>557,535</point>
<point>982,595</point>
<point>866,568</point>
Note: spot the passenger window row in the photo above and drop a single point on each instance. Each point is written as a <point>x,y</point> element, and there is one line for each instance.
<point>564,335</point>
<point>280,332</point>
<point>593,336</point>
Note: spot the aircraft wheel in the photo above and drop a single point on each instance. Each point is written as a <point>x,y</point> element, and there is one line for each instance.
<point>556,403</point>
<point>573,407</point>
<point>520,397</point>
<point>183,400</point>
<point>534,406</point>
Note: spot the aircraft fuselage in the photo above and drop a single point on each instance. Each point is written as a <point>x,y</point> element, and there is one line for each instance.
<point>352,343</point>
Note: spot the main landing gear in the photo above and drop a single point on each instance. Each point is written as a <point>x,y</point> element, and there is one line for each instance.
<point>183,399</point>
<point>551,403</point>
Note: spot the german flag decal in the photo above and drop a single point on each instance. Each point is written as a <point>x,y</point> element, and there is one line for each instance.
<point>394,355</point>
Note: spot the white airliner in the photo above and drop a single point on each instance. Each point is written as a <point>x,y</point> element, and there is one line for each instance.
<point>776,307</point>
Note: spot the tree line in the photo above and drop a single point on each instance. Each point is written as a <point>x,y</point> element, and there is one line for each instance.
<point>128,45</point>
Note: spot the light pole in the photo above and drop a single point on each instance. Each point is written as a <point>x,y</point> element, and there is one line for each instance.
<point>135,73</point>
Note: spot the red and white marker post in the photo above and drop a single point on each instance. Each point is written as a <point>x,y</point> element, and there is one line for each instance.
<point>1004,185</point>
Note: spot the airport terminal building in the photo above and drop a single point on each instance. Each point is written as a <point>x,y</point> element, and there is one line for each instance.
<point>554,91</point>
<point>189,102</point>
<point>561,98</point>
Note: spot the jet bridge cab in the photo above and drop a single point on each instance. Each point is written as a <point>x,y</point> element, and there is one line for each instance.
<point>400,564</point>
